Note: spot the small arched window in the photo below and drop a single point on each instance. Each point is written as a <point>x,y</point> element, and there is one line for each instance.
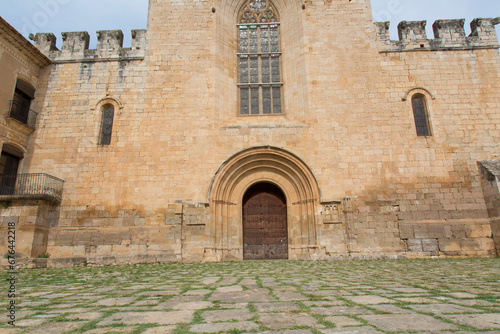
<point>108,113</point>
<point>259,57</point>
<point>421,115</point>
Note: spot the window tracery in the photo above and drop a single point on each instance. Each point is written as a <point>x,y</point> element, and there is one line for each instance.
<point>259,59</point>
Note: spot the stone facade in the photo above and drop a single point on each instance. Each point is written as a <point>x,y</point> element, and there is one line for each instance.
<point>358,181</point>
<point>21,63</point>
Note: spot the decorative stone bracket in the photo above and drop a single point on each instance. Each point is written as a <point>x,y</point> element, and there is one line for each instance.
<point>334,212</point>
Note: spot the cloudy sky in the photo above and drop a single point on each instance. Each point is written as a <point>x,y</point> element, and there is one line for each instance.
<point>56,16</point>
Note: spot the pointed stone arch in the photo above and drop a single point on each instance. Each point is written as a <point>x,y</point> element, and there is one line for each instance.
<point>232,7</point>
<point>257,165</point>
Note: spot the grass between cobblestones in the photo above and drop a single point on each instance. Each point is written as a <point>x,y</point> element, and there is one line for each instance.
<point>294,297</point>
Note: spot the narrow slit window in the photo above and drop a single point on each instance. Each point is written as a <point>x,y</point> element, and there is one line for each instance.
<point>108,113</point>
<point>421,116</point>
<point>259,58</point>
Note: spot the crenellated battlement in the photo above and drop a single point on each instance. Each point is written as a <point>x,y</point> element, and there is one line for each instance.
<point>448,35</point>
<point>75,46</point>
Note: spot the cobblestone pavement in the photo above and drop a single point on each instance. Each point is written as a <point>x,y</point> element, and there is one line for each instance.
<point>291,297</point>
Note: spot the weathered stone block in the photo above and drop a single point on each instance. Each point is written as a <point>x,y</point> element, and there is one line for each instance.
<point>421,231</point>
<point>484,29</point>
<point>449,30</point>
<point>414,245</point>
<point>449,247</point>
<point>479,231</point>
<point>109,40</point>
<point>75,43</point>
<point>412,31</point>
<point>45,42</point>
<point>458,231</point>
<point>431,246</point>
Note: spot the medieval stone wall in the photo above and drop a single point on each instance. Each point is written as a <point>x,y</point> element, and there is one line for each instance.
<point>348,118</point>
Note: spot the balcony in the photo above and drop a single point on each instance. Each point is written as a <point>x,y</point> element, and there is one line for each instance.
<point>21,112</point>
<point>31,186</point>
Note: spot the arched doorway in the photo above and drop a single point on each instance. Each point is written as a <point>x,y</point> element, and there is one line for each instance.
<point>265,228</point>
<point>257,169</point>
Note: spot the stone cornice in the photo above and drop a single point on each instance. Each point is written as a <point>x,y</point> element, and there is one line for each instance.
<point>22,45</point>
<point>19,56</point>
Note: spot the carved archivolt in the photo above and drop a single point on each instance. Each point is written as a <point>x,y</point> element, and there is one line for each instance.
<point>263,164</point>
<point>108,99</point>
<point>253,163</point>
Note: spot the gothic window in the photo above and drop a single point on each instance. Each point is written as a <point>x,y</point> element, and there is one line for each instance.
<point>108,113</point>
<point>420,113</point>
<point>260,86</point>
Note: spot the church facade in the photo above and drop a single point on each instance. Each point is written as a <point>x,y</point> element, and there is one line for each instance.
<point>252,129</point>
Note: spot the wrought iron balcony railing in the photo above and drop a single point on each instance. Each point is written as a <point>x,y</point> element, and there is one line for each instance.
<point>31,186</point>
<point>21,112</point>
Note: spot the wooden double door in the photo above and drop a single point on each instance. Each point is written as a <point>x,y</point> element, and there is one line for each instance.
<point>265,230</point>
